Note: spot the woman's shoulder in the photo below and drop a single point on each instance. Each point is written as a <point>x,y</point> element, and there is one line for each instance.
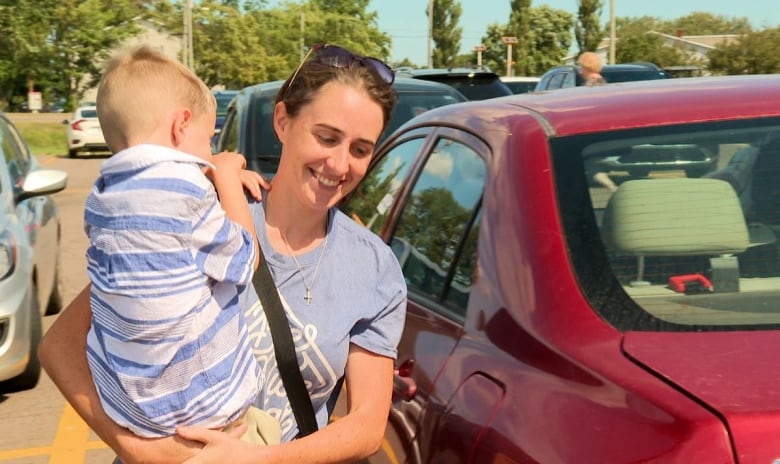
<point>358,238</point>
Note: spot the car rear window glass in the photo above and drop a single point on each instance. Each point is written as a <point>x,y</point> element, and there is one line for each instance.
<point>478,87</point>
<point>88,113</point>
<point>678,226</point>
<point>628,76</point>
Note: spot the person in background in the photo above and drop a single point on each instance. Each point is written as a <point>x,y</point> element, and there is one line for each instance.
<point>590,69</point>
<point>341,286</point>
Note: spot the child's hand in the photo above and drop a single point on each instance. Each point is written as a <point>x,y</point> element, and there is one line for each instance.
<point>229,161</point>
<point>254,183</point>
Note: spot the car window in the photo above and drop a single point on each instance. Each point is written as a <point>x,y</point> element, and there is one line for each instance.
<point>15,154</point>
<point>556,81</point>
<point>371,200</point>
<point>434,238</point>
<point>88,113</point>
<point>228,138</point>
<point>685,223</point>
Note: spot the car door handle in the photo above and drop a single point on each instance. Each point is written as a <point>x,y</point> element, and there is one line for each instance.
<point>403,385</point>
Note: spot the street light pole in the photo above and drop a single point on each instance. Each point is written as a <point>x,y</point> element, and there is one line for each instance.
<point>509,41</point>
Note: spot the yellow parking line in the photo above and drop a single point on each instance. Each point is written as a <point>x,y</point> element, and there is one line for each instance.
<point>70,444</point>
<point>72,434</point>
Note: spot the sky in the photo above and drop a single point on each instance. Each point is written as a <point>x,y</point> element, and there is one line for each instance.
<point>407,24</point>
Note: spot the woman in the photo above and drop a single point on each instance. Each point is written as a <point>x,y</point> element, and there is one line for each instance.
<point>343,288</point>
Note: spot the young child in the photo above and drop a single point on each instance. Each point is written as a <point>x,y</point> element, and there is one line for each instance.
<point>168,344</point>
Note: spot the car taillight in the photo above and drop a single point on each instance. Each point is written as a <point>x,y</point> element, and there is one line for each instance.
<point>77,124</point>
<point>7,255</point>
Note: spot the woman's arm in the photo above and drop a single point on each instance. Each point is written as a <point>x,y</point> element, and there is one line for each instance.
<point>63,356</point>
<point>355,436</point>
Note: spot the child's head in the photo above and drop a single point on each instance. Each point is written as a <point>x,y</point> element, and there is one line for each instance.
<point>145,96</point>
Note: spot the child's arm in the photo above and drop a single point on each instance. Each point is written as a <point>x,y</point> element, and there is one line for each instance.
<point>227,179</point>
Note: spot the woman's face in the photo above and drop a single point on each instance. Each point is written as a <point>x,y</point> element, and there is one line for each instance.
<point>327,147</point>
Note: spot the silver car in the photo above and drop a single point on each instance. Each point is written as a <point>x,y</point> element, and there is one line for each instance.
<point>29,256</point>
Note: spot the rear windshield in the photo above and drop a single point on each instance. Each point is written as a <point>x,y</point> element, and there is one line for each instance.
<point>474,88</point>
<point>676,228</point>
<point>88,113</point>
<point>223,100</point>
<point>628,76</point>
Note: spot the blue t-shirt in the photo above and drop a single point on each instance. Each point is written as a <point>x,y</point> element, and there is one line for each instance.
<point>359,296</point>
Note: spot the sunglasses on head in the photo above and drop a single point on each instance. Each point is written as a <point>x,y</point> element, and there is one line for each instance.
<point>337,57</point>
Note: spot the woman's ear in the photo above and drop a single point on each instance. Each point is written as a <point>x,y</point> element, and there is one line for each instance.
<point>181,122</point>
<point>281,119</point>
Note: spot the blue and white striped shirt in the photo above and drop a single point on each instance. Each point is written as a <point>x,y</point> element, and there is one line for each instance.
<point>168,343</point>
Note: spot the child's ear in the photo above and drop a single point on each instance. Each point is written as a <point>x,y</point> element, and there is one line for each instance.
<point>181,122</point>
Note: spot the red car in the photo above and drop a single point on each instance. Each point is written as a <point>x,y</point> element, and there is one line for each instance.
<point>554,319</point>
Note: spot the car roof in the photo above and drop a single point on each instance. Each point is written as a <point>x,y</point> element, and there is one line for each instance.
<point>448,71</point>
<point>400,84</point>
<point>520,79</point>
<point>571,111</point>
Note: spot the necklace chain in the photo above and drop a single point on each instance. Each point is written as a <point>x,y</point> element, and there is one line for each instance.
<point>307,297</point>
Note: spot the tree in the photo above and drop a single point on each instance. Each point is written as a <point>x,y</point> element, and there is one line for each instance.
<point>753,53</point>
<point>520,27</point>
<point>70,40</point>
<point>550,39</point>
<point>446,32</point>
<point>545,45</point>
<point>648,47</point>
<point>702,23</point>
<point>588,30</point>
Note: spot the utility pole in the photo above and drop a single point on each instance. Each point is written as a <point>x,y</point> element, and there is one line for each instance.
<point>611,31</point>
<point>430,33</point>
<point>187,53</point>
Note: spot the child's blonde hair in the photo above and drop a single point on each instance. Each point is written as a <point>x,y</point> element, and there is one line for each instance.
<point>138,87</point>
<point>590,61</point>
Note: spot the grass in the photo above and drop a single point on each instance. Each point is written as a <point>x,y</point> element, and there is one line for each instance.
<point>44,138</point>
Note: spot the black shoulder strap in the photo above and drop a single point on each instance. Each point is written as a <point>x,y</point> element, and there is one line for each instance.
<point>284,349</point>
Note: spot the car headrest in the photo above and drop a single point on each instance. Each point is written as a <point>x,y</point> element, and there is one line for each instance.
<point>675,217</point>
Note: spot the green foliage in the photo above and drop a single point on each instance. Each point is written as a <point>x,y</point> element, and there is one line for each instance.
<point>648,47</point>
<point>58,47</point>
<point>587,30</point>
<point>753,53</point>
<point>446,32</point>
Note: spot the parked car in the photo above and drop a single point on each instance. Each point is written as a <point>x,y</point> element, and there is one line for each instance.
<point>84,132</point>
<point>475,84</point>
<point>223,97</point>
<point>29,257</point>
<point>520,84</point>
<point>248,128</point>
<point>550,321</point>
<point>561,77</point>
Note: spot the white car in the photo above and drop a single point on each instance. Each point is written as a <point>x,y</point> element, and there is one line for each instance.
<point>29,257</point>
<point>520,84</point>
<point>84,132</point>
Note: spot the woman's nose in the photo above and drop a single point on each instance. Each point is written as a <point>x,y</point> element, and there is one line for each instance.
<point>338,161</point>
